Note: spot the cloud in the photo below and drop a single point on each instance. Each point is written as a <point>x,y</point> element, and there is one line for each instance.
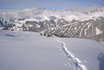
<point>50,4</point>
<point>58,4</point>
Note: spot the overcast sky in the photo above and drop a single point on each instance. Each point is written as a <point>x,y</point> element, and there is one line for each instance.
<point>48,4</point>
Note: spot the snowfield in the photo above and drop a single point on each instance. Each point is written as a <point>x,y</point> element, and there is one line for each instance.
<point>30,51</point>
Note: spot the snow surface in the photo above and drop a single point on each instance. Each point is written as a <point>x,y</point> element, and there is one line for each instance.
<point>30,51</point>
<point>98,31</point>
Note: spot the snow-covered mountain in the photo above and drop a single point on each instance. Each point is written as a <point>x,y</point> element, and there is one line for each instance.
<point>90,29</point>
<point>69,23</point>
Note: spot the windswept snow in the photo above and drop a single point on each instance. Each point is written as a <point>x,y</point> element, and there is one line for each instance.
<point>30,51</point>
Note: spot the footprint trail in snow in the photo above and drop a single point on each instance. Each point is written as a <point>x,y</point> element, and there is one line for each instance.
<point>77,62</point>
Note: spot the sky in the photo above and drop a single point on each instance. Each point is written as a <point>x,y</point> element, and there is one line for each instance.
<point>48,4</point>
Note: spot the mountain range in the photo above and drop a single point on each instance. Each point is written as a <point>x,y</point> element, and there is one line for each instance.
<point>72,23</point>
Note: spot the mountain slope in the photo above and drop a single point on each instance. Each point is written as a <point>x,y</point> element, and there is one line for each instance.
<point>29,51</point>
<point>90,29</point>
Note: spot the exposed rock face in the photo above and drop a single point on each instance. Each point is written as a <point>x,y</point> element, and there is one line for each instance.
<point>90,29</point>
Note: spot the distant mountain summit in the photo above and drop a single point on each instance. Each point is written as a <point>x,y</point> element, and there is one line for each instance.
<point>75,23</point>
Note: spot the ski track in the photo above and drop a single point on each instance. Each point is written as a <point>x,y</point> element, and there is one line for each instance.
<point>77,62</point>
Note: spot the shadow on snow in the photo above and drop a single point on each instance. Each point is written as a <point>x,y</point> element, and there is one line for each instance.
<point>101,61</point>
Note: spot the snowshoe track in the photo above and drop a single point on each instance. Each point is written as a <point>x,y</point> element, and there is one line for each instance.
<point>77,62</point>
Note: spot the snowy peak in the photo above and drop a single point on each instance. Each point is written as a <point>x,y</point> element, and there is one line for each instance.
<point>69,15</point>
<point>69,23</point>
